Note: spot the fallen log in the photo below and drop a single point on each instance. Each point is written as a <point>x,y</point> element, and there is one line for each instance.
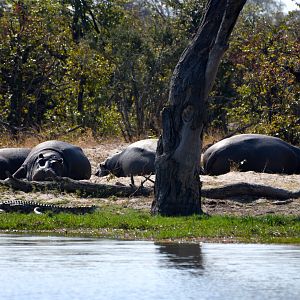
<point>83,188</point>
<point>247,189</point>
<point>86,189</point>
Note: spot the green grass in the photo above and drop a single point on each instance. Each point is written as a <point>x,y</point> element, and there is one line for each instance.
<point>113,222</point>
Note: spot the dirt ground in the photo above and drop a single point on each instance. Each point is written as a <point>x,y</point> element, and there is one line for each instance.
<point>237,206</point>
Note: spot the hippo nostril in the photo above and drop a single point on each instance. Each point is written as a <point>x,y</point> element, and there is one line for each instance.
<point>42,162</point>
<point>44,174</point>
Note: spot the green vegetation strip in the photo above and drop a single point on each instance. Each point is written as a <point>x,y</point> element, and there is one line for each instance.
<point>114,222</point>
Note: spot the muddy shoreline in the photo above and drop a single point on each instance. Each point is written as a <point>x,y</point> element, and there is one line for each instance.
<point>237,206</point>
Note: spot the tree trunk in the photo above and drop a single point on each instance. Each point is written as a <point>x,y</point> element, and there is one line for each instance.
<point>80,95</point>
<point>16,85</point>
<point>177,186</point>
<point>139,104</point>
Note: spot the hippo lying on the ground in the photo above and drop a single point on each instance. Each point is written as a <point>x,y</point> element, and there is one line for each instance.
<point>11,160</point>
<point>52,159</point>
<point>137,159</point>
<point>251,152</point>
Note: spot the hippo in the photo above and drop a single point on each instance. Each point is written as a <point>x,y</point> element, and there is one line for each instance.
<point>11,159</point>
<point>251,152</point>
<point>52,159</point>
<point>137,159</point>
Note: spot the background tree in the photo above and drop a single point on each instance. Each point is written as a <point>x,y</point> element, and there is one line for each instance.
<point>254,90</point>
<point>105,67</point>
<point>145,45</point>
<point>32,50</point>
<point>46,76</point>
<point>266,94</point>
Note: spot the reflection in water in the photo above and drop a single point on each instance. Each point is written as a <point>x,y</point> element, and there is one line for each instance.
<point>182,255</point>
<point>50,268</point>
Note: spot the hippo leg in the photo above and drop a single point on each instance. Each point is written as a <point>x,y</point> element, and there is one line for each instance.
<point>132,180</point>
<point>20,173</point>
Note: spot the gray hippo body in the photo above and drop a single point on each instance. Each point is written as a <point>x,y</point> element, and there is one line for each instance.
<point>11,160</point>
<point>137,159</point>
<point>55,159</point>
<point>252,152</point>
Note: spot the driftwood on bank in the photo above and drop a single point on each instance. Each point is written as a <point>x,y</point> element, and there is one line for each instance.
<point>246,189</point>
<point>83,188</point>
<point>86,189</point>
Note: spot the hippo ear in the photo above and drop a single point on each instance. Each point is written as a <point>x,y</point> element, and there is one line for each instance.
<point>21,172</point>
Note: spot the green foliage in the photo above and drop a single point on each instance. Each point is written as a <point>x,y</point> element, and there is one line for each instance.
<point>145,47</point>
<point>106,66</point>
<point>263,92</point>
<point>109,120</point>
<point>31,36</point>
<point>46,76</point>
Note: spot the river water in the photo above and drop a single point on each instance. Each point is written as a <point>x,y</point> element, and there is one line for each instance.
<point>34,267</point>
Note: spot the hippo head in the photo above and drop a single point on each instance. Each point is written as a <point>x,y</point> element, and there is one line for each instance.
<point>110,166</point>
<point>102,169</point>
<point>48,167</point>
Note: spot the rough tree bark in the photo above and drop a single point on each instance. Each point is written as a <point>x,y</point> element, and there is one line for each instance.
<point>177,186</point>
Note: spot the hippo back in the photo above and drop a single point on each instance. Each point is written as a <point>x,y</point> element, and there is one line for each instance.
<point>147,144</point>
<point>77,164</point>
<point>251,152</point>
<point>11,159</point>
<point>136,159</point>
<point>139,158</point>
